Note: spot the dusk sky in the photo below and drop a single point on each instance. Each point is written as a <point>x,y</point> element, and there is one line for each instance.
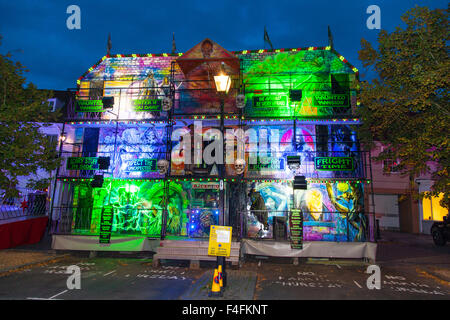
<point>36,33</point>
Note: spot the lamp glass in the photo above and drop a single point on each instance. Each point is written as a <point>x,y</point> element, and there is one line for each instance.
<point>223,83</point>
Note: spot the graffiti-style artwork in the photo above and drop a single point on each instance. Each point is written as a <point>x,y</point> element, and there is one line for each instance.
<point>199,66</point>
<point>332,211</point>
<point>138,207</point>
<point>268,79</point>
<point>139,85</point>
<point>266,201</point>
<point>201,146</point>
<point>136,150</point>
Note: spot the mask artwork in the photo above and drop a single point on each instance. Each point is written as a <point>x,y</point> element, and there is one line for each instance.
<point>239,166</point>
<point>166,104</point>
<point>240,101</point>
<point>163,166</point>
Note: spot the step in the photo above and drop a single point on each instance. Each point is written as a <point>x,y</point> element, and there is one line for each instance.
<point>192,244</point>
<point>190,251</point>
<point>189,257</point>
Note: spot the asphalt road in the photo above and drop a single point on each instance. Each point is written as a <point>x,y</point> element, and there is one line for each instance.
<point>136,279</point>
<point>101,278</point>
<point>411,267</point>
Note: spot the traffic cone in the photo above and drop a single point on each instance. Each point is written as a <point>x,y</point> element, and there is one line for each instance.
<point>215,288</point>
<point>220,275</point>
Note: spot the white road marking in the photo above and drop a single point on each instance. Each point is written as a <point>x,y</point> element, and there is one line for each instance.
<point>58,294</point>
<point>51,298</point>
<point>357,284</point>
<point>109,273</point>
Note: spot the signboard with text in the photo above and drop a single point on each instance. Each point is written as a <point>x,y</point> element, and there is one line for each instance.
<point>270,106</point>
<point>147,104</point>
<point>82,163</point>
<point>141,165</point>
<point>330,100</point>
<point>106,224</point>
<point>89,106</point>
<point>296,229</point>
<point>219,241</point>
<point>333,163</point>
<point>267,163</point>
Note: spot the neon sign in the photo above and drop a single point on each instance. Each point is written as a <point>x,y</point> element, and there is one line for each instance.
<point>333,163</point>
<point>82,163</point>
<point>147,104</point>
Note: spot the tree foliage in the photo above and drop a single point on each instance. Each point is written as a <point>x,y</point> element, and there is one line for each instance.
<point>23,110</point>
<point>406,107</point>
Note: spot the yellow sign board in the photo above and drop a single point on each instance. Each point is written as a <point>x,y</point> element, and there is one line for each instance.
<point>219,241</point>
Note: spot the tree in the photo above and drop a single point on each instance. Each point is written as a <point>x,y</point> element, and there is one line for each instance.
<point>23,110</point>
<point>406,107</point>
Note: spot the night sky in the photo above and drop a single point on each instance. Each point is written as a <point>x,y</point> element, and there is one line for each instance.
<point>36,33</point>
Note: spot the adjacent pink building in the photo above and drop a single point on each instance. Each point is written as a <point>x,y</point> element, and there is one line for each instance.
<point>396,207</point>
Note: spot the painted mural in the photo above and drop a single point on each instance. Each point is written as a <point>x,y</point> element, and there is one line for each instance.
<point>331,211</point>
<point>138,207</point>
<point>268,79</point>
<point>134,150</point>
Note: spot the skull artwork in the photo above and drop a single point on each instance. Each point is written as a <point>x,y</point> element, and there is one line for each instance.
<point>240,101</point>
<point>239,166</point>
<point>163,166</point>
<point>166,104</point>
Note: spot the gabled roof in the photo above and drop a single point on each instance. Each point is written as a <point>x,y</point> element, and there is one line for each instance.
<point>236,53</point>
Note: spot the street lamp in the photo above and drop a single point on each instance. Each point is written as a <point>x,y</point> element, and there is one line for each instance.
<point>223,84</point>
<point>223,81</point>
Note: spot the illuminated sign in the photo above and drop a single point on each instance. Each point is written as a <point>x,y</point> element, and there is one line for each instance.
<point>89,106</point>
<point>147,104</point>
<point>333,163</point>
<point>271,105</point>
<point>82,163</point>
<point>106,223</point>
<point>330,100</point>
<point>214,186</point>
<point>267,163</point>
<point>219,241</point>
<point>141,165</point>
<point>296,229</point>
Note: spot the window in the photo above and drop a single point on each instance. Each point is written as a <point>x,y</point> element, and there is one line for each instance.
<point>52,105</point>
<point>432,210</point>
<point>390,166</point>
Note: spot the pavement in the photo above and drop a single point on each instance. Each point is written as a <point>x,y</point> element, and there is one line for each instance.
<point>411,266</point>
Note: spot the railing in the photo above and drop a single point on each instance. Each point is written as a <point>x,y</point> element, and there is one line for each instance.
<point>77,220</point>
<point>30,204</point>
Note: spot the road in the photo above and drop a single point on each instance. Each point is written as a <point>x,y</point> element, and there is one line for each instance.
<point>411,267</point>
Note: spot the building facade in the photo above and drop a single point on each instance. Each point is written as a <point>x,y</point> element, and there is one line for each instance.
<point>397,205</point>
<point>181,155</point>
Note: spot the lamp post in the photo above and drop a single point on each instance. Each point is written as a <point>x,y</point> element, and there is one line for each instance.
<point>223,84</point>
